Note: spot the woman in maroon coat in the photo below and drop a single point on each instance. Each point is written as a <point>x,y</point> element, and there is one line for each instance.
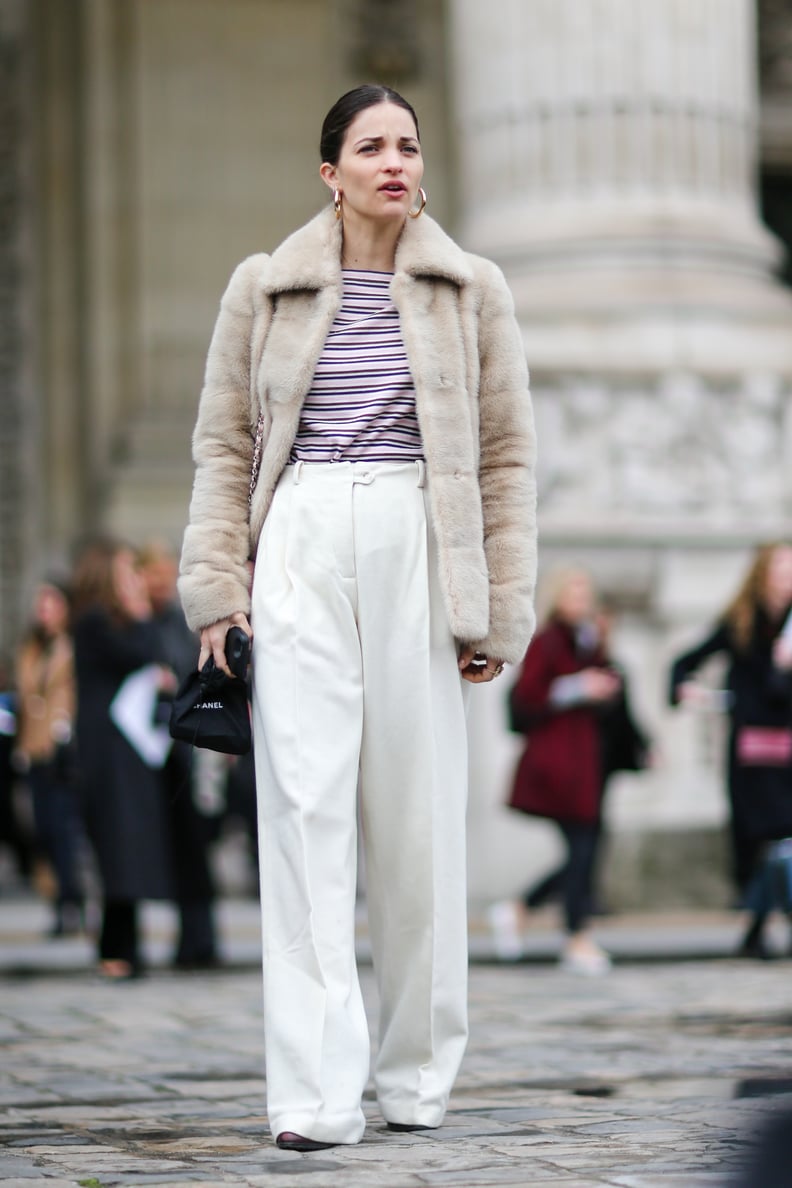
<point>565,682</point>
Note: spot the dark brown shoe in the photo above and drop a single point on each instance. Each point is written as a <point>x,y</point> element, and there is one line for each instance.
<point>287,1140</point>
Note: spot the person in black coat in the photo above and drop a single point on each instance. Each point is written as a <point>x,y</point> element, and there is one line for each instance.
<point>759,691</point>
<point>12,831</point>
<point>190,829</point>
<point>124,805</point>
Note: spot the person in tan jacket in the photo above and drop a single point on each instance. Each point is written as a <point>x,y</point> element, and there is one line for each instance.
<point>46,710</point>
<point>365,432</point>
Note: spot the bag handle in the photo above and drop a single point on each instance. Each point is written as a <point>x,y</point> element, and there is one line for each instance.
<point>256,466</point>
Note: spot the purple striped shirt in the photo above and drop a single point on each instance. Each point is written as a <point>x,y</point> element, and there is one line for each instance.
<point>361,403</point>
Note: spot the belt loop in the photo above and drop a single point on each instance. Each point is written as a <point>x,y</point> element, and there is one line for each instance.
<point>421,472</point>
<point>297,469</point>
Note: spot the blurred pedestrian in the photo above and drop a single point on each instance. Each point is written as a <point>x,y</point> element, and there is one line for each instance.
<point>124,803</point>
<point>759,706</point>
<point>566,690</point>
<point>240,797</point>
<point>190,830</point>
<point>768,1162</point>
<point>12,831</point>
<point>366,415</point>
<point>44,746</point>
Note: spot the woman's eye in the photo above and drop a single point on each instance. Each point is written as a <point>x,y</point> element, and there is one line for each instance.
<point>368,148</point>
<point>411,148</point>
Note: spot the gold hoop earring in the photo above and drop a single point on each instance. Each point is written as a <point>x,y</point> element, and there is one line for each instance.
<point>337,202</point>
<point>415,214</point>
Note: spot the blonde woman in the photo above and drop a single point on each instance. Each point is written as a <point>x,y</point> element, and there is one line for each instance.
<point>565,686</point>
<point>759,684</point>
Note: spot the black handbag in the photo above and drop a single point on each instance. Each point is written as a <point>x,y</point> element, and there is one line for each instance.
<point>211,708</point>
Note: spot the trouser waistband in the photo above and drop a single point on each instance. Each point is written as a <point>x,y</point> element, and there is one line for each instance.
<point>356,472</point>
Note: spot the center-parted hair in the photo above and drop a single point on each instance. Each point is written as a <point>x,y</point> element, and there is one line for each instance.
<point>344,110</point>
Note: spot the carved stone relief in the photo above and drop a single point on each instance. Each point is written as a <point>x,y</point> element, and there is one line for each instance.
<point>674,447</point>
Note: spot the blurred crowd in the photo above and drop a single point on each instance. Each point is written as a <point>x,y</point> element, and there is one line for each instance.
<point>571,703</point>
<point>99,807</point>
<point>101,810</point>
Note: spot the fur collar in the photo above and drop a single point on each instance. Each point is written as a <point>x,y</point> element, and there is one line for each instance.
<point>311,257</point>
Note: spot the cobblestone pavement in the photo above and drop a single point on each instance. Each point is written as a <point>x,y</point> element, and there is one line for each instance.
<point>656,1075</point>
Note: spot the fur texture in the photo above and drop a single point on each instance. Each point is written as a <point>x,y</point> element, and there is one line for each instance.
<point>471,384</point>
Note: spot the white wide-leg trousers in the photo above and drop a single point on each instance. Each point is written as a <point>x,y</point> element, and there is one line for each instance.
<point>356,684</point>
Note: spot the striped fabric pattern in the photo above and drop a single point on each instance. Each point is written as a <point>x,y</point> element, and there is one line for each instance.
<point>361,404</point>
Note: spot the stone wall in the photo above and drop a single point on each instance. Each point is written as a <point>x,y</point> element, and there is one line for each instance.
<point>18,415</point>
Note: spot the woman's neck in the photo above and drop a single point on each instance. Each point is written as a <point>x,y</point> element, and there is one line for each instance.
<point>370,246</point>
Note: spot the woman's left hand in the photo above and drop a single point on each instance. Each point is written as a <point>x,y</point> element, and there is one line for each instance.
<point>478,668</point>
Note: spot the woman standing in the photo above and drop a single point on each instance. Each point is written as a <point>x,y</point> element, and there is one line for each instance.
<point>565,686</point>
<point>381,372</point>
<point>759,685</point>
<point>45,684</point>
<point>124,800</point>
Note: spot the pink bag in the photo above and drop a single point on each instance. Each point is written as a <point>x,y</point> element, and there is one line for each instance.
<point>764,746</point>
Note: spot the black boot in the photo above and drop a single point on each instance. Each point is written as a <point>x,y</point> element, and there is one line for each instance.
<point>753,943</point>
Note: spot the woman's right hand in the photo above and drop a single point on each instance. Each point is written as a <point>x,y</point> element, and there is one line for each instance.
<point>782,653</point>
<point>600,684</point>
<point>694,694</point>
<point>213,640</point>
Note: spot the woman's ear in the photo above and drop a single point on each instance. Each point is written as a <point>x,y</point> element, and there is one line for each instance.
<point>327,172</point>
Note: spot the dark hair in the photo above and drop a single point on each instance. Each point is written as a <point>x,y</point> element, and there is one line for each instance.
<point>344,110</point>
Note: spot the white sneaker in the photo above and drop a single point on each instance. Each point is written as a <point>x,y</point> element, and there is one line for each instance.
<point>504,921</point>
<point>588,961</point>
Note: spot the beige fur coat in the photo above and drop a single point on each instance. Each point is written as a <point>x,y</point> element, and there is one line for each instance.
<point>471,386</point>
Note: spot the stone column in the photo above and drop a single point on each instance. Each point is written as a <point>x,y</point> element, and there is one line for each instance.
<point>607,162</point>
<point>612,142</point>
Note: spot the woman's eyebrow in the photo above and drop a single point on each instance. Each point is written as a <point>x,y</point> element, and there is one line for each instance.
<point>377,139</point>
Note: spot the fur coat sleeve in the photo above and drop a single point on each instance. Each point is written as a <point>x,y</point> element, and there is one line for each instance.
<point>214,565</point>
<point>507,461</point>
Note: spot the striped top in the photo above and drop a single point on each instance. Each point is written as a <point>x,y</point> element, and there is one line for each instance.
<point>361,404</point>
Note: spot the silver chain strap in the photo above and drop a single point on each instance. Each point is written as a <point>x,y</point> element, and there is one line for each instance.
<point>254,470</point>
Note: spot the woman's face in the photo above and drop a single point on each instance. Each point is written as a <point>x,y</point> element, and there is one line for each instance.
<point>127,579</point>
<point>50,610</point>
<point>380,166</point>
<point>778,583</point>
<point>575,601</point>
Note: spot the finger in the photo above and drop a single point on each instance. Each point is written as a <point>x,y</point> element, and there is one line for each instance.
<point>477,676</point>
<point>239,619</point>
<point>219,656</point>
<point>215,647</point>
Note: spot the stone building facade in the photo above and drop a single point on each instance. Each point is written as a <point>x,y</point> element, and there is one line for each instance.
<point>611,155</point>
